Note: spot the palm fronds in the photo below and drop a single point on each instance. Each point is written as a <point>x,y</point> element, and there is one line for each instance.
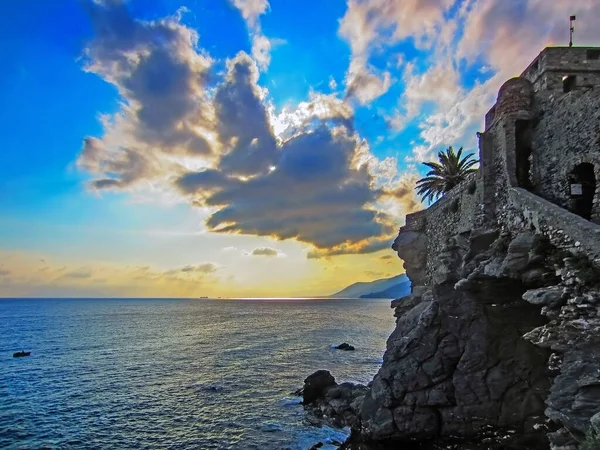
<point>445,174</point>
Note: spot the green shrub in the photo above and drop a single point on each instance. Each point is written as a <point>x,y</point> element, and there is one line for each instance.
<point>592,440</point>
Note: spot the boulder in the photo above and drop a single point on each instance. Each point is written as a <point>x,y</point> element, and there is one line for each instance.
<point>544,296</point>
<point>315,385</point>
<point>345,346</point>
<point>329,403</point>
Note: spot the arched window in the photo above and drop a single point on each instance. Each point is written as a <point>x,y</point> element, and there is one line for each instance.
<point>582,183</point>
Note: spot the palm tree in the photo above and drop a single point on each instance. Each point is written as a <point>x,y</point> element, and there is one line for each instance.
<point>446,174</point>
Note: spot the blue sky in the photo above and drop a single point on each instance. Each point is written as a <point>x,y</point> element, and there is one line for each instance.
<point>143,138</point>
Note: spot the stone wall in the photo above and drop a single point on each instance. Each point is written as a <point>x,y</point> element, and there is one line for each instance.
<point>546,72</point>
<point>567,134</point>
<point>456,212</point>
<point>565,230</point>
<point>416,221</point>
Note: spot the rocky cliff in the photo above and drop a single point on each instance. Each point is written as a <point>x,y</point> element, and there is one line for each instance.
<point>501,345</point>
<point>495,348</point>
<point>498,345</point>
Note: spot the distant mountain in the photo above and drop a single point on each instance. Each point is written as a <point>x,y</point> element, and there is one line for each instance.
<point>398,290</point>
<point>377,289</point>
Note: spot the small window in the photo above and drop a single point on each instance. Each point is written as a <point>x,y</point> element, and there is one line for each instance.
<point>593,54</point>
<point>536,65</point>
<point>569,83</point>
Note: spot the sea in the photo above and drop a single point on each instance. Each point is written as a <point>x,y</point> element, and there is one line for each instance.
<point>177,373</point>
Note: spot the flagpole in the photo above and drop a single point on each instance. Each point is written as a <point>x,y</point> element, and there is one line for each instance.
<point>571,29</point>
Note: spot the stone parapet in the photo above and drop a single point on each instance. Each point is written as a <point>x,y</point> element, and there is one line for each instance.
<point>563,228</point>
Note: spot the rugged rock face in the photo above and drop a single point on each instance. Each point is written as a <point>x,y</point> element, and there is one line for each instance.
<point>456,363</point>
<point>413,245</point>
<point>501,337</point>
<point>573,334</point>
<point>498,346</point>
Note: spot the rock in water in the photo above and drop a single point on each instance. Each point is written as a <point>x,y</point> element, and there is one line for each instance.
<point>344,346</point>
<point>315,385</point>
<point>330,403</point>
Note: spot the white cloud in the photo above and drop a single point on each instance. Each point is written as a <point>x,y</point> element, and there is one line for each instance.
<point>372,24</point>
<point>453,38</point>
<point>254,157</point>
<point>332,83</point>
<point>251,10</point>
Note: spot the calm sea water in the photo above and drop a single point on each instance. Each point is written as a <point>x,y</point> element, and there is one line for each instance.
<point>164,373</point>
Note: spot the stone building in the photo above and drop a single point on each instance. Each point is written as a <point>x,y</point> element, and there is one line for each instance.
<point>539,156</point>
<point>544,131</point>
<point>505,272</point>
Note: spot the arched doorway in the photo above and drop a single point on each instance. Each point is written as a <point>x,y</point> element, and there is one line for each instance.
<point>582,182</point>
<point>523,153</point>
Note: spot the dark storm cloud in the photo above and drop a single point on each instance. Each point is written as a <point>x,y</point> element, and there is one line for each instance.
<point>242,121</point>
<point>161,79</point>
<point>311,186</point>
<point>314,195</point>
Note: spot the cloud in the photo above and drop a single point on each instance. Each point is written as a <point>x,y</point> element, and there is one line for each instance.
<point>102,280</point>
<point>364,84</point>
<point>4,272</point>
<point>204,268</point>
<point>242,121</point>
<point>386,257</point>
<point>370,24</point>
<point>162,81</point>
<point>465,50</point>
<point>80,273</point>
<point>264,251</point>
<point>312,113</point>
<point>369,245</point>
<point>400,195</point>
<point>440,85</point>
<point>374,273</point>
<point>314,195</point>
<point>303,173</point>
<point>251,10</point>
<point>332,83</point>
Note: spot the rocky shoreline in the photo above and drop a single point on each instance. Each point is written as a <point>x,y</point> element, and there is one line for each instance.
<point>479,359</point>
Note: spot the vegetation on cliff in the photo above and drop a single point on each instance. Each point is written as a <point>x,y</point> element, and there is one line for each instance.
<point>592,440</point>
<point>443,176</point>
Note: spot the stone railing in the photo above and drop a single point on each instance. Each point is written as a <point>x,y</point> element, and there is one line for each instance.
<point>562,227</point>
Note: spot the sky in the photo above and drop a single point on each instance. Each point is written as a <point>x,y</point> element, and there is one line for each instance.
<point>243,148</point>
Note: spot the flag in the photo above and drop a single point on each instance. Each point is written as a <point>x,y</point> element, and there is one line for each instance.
<point>573,18</point>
